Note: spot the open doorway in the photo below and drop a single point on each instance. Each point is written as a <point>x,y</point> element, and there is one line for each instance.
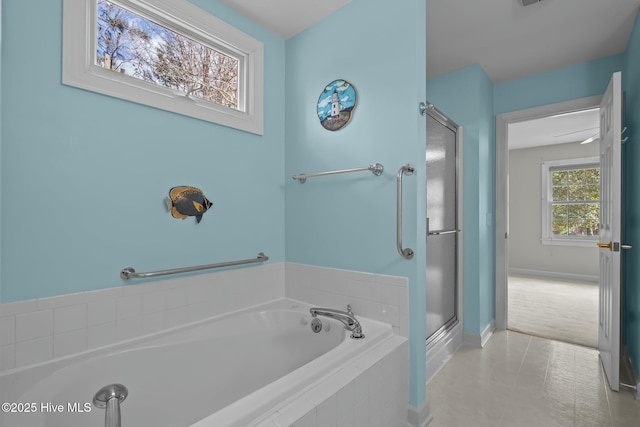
<point>526,263</point>
<point>554,208</point>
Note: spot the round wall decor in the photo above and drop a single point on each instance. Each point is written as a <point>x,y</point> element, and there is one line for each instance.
<point>336,104</point>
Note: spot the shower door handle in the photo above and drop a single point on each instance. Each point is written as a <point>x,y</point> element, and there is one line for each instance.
<point>442,232</point>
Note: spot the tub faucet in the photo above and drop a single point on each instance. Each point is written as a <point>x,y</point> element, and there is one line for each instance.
<point>346,317</point>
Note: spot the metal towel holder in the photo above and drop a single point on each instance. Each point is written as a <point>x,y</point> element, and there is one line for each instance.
<point>376,169</point>
<point>129,273</point>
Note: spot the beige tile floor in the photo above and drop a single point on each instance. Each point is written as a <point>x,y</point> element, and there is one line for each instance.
<point>522,380</point>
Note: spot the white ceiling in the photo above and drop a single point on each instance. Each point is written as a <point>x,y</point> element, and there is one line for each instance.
<point>511,41</point>
<point>558,129</point>
<point>286,18</point>
<point>508,40</point>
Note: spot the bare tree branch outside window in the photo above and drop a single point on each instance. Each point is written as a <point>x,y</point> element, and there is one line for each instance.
<point>133,45</point>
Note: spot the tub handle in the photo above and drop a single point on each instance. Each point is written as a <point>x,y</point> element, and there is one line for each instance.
<point>109,398</point>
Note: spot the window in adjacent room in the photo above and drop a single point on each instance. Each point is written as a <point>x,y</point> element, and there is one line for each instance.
<point>571,201</point>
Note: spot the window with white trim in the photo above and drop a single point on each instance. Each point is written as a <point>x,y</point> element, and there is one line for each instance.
<point>167,54</point>
<point>571,201</point>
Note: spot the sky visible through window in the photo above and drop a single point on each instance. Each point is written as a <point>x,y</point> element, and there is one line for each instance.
<point>135,46</point>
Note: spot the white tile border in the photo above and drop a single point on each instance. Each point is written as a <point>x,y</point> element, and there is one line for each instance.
<point>379,297</point>
<point>66,324</point>
<point>36,331</point>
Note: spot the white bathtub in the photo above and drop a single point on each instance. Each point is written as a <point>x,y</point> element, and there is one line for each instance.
<point>227,371</point>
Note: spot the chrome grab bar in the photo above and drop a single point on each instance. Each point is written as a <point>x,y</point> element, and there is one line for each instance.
<point>109,398</point>
<point>129,273</point>
<point>406,253</point>
<point>376,169</point>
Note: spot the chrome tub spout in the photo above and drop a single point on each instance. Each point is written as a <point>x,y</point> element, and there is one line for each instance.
<point>346,317</point>
<point>109,398</point>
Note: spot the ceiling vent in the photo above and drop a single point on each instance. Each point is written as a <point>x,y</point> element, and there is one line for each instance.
<point>529,2</point>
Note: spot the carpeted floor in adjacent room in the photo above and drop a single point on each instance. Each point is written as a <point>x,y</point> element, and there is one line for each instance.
<point>564,310</point>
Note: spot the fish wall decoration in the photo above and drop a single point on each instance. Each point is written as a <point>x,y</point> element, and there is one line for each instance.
<point>185,201</point>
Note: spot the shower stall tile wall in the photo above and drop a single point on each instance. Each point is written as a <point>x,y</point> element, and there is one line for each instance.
<point>36,331</point>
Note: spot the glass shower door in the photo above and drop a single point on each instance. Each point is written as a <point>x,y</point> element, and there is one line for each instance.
<point>442,225</point>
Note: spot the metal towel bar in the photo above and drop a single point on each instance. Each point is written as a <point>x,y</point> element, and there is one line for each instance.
<point>130,273</point>
<point>406,253</point>
<point>376,169</point>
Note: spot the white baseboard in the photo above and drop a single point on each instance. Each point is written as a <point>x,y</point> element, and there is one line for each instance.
<point>628,363</point>
<point>479,341</point>
<point>554,274</point>
<point>419,417</point>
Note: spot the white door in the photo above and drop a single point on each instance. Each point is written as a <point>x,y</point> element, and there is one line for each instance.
<point>610,213</point>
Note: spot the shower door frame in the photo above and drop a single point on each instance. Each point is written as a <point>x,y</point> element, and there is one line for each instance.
<point>448,338</point>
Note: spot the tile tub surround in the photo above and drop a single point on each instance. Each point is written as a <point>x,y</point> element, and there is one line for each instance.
<point>376,296</point>
<point>36,331</point>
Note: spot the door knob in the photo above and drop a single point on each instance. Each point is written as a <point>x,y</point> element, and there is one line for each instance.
<point>604,245</point>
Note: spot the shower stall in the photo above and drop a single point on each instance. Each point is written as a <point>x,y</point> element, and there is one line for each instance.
<point>444,239</point>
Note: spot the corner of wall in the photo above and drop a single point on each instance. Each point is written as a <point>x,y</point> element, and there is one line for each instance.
<point>631,372</point>
<point>1,168</point>
<point>631,156</point>
<point>419,417</point>
<point>479,340</point>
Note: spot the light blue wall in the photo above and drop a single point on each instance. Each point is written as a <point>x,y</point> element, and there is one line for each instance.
<point>349,221</point>
<point>486,220</point>
<point>466,96</point>
<point>631,183</point>
<point>472,101</point>
<point>1,54</point>
<point>563,84</point>
<point>84,175</point>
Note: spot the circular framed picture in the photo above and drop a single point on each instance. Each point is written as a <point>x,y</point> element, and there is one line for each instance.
<point>336,104</point>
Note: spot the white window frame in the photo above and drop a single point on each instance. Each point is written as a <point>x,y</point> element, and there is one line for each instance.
<point>547,198</point>
<point>79,68</point>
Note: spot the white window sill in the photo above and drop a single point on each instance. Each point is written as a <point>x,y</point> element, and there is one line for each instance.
<point>587,243</point>
<point>79,69</point>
